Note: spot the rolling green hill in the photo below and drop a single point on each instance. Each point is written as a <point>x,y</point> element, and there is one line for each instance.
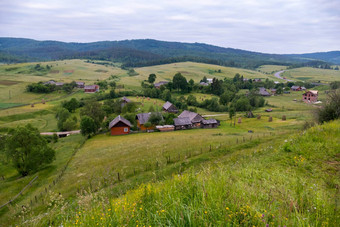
<point>144,52</point>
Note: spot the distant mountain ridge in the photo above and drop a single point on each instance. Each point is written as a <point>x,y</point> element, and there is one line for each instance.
<point>143,52</point>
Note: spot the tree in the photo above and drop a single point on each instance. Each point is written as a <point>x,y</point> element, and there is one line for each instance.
<point>331,108</point>
<point>180,82</point>
<point>70,124</point>
<point>87,126</point>
<point>28,150</point>
<point>71,105</point>
<point>94,110</point>
<point>155,118</point>
<point>62,115</point>
<point>152,78</point>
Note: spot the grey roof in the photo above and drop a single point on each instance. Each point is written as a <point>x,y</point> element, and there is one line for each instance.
<point>295,87</point>
<point>119,119</point>
<point>160,83</point>
<point>90,87</point>
<point>167,105</point>
<point>80,83</point>
<point>143,117</point>
<point>182,121</point>
<point>191,116</point>
<point>50,82</point>
<point>125,99</point>
<point>59,83</point>
<point>263,92</point>
<point>210,121</point>
<point>204,84</point>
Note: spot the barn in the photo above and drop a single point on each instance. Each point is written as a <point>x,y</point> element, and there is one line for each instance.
<point>119,126</point>
<point>211,123</point>
<point>194,118</point>
<point>91,88</point>
<point>182,123</point>
<point>169,107</point>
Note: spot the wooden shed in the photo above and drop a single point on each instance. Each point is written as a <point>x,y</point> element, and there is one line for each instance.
<point>211,123</point>
<point>194,118</point>
<point>182,123</point>
<point>169,107</point>
<point>120,126</point>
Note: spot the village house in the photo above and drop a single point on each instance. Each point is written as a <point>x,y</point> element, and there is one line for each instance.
<point>142,118</point>
<point>124,101</point>
<point>257,80</point>
<point>182,123</point>
<point>169,107</point>
<point>209,80</point>
<point>211,123</point>
<point>91,88</point>
<point>310,96</point>
<point>119,126</point>
<point>297,88</point>
<point>49,82</point>
<point>160,83</point>
<point>273,91</point>
<point>263,92</point>
<point>194,118</point>
<point>59,84</point>
<point>80,84</point>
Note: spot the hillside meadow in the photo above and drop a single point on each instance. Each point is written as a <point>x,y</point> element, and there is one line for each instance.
<point>310,74</point>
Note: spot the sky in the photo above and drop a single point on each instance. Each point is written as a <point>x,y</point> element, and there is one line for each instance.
<point>268,26</point>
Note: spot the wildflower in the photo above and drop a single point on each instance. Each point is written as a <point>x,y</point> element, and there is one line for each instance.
<point>205,212</point>
<point>227,208</point>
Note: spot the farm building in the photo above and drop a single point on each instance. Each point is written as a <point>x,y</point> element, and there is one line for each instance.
<point>273,91</point>
<point>80,84</point>
<point>124,101</point>
<point>204,84</point>
<point>263,92</point>
<point>160,83</point>
<point>257,80</point>
<point>50,82</point>
<point>209,80</point>
<point>165,128</point>
<point>91,88</point>
<point>297,88</point>
<point>119,126</point>
<point>60,84</point>
<point>142,118</point>
<point>211,123</point>
<point>169,107</point>
<point>310,96</point>
<point>182,123</point>
<point>194,118</point>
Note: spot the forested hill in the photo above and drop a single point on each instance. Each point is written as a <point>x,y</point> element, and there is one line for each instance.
<point>142,52</point>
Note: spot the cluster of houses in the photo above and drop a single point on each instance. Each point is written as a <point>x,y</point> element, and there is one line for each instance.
<point>310,96</point>
<point>186,120</point>
<point>80,84</point>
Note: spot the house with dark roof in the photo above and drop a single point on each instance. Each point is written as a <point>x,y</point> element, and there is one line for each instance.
<point>296,88</point>
<point>50,82</point>
<point>194,118</point>
<point>124,101</point>
<point>182,123</point>
<point>80,84</point>
<point>142,118</point>
<point>263,91</point>
<point>169,107</point>
<point>91,88</point>
<point>160,83</point>
<point>210,123</point>
<point>120,126</point>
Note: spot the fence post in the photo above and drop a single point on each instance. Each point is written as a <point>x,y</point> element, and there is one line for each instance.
<point>210,147</point>
<point>118,176</point>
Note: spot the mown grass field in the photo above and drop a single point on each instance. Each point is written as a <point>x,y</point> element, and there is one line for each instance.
<point>271,68</point>
<point>312,74</point>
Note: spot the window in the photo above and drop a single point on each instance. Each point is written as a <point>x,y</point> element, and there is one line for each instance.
<point>126,129</point>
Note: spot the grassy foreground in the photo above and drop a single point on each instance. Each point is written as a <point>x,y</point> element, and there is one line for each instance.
<point>287,182</point>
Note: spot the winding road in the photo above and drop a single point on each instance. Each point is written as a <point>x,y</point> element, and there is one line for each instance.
<point>278,75</point>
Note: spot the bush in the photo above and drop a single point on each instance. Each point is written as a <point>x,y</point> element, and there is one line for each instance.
<point>331,108</point>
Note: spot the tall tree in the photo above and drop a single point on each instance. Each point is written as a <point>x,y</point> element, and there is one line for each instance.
<point>94,110</point>
<point>28,150</point>
<point>180,82</point>
<point>152,78</point>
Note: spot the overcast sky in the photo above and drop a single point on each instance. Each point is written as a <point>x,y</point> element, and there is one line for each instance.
<point>271,26</point>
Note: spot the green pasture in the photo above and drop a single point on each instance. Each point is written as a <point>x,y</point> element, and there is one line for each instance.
<point>271,68</point>
<point>310,74</point>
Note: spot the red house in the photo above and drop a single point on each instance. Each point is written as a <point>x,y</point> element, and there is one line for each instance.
<point>119,126</point>
<point>310,96</point>
<point>91,88</point>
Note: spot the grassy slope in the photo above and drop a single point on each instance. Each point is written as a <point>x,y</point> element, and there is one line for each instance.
<point>284,182</point>
<point>312,74</point>
<point>271,68</point>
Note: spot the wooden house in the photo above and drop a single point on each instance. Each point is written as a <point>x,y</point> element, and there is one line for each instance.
<point>142,118</point>
<point>194,118</point>
<point>160,83</point>
<point>273,91</point>
<point>124,101</point>
<point>80,84</point>
<point>310,96</point>
<point>263,92</point>
<point>169,107</point>
<point>182,123</point>
<point>91,88</point>
<point>211,123</point>
<point>296,88</point>
<point>120,126</point>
